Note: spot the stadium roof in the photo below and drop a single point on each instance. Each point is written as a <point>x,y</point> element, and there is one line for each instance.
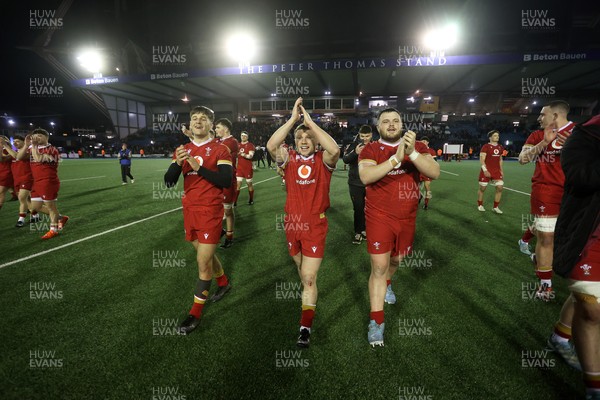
<point>146,41</point>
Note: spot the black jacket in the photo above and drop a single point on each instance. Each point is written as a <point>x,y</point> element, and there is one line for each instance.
<point>580,208</point>
<point>351,158</point>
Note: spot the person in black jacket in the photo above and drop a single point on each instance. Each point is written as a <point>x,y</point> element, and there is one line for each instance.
<point>357,189</point>
<point>577,244</point>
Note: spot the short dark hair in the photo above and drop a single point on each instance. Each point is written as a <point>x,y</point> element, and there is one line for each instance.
<point>203,110</point>
<point>40,131</point>
<point>226,123</point>
<point>20,137</point>
<point>424,139</point>
<point>365,129</point>
<point>561,105</point>
<point>490,133</point>
<point>386,110</point>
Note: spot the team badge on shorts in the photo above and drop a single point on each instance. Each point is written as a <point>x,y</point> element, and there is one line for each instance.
<point>586,269</point>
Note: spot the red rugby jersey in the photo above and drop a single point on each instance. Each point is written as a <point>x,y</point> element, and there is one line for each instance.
<point>548,172</point>
<point>397,193</point>
<point>493,155</point>
<point>307,183</point>
<point>45,170</point>
<point>199,192</point>
<point>243,163</point>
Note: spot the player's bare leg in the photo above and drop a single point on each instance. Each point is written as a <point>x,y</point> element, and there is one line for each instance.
<point>308,271</point>
<point>497,197</point>
<point>427,185</point>
<point>559,341</point>
<point>586,336</point>
<point>480,192</point>
<point>250,191</point>
<point>380,265</point>
<point>237,190</point>
<point>298,261</point>
<point>544,249</point>
<point>205,258</point>
<point>24,206</point>
<point>229,225</point>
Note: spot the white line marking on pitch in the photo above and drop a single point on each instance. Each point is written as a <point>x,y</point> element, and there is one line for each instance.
<point>82,179</point>
<point>518,191</point>
<point>100,234</point>
<point>86,238</point>
<point>451,173</point>
<point>507,188</point>
<point>256,183</point>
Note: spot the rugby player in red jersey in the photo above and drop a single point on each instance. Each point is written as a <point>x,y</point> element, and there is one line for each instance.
<point>544,146</point>
<point>308,176</point>
<point>223,132</point>
<point>44,160</point>
<point>390,169</point>
<point>490,159</point>
<point>207,169</point>
<point>244,167</point>
<point>6,177</point>
<point>23,180</point>
<point>426,180</point>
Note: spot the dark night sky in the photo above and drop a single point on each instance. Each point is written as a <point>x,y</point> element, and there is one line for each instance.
<point>372,27</point>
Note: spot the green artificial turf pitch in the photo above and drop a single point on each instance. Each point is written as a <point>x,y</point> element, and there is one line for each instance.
<point>96,318</point>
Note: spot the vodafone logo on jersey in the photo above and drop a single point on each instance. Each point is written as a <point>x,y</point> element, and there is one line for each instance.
<point>496,151</point>
<point>304,171</point>
<point>199,159</point>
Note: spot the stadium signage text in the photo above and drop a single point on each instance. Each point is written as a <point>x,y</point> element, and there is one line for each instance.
<point>554,57</point>
<point>172,75</point>
<point>103,80</point>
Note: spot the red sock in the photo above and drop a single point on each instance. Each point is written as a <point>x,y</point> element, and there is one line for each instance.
<point>196,310</point>
<point>229,235</point>
<point>544,272</point>
<point>527,236</point>
<point>479,203</point>
<point>496,204</point>
<point>22,215</point>
<point>426,201</point>
<point>251,194</point>
<point>308,313</point>
<point>377,316</point>
<point>388,282</point>
<point>222,280</point>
